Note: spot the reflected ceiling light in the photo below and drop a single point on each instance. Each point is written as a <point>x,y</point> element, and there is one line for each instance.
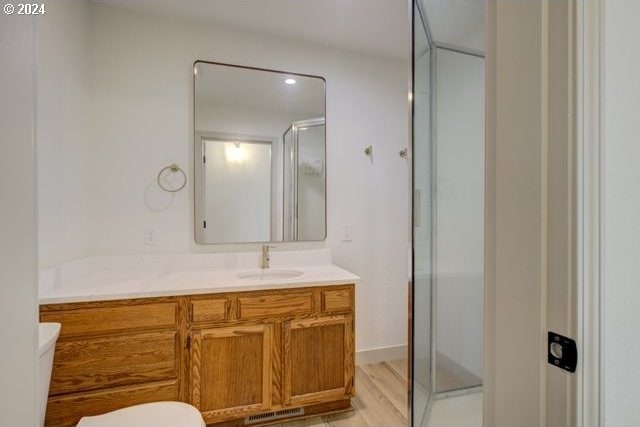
<point>303,128</point>
<point>290,81</point>
<point>195,70</point>
<point>234,153</point>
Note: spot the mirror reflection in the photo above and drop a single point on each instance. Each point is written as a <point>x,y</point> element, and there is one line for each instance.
<point>259,155</point>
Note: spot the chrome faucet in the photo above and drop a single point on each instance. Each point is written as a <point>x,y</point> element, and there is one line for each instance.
<point>265,256</point>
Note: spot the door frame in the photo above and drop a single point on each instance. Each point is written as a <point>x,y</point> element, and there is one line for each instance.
<point>587,402</point>
<point>589,390</point>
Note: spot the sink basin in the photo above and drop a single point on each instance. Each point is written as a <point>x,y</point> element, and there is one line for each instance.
<point>268,274</point>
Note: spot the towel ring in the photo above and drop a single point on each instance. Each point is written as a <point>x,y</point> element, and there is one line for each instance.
<point>174,169</point>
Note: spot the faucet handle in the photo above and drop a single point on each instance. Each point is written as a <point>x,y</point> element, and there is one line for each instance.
<point>265,256</point>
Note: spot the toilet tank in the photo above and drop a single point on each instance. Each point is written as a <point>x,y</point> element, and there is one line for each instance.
<point>47,336</point>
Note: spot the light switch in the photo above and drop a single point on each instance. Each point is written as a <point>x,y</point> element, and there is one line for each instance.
<point>347,232</point>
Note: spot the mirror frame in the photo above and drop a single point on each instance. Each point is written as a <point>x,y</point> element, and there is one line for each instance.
<point>198,170</point>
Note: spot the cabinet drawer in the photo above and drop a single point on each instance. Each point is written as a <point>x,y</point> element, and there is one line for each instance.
<point>208,310</point>
<point>67,410</point>
<point>95,363</point>
<point>112,319</point>
<point>336,299</point>
<point>275,304</point>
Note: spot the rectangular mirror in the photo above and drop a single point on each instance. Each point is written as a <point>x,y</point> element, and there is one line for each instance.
<point>260,155</point>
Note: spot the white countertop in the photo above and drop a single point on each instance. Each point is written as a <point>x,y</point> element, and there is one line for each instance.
<point>147,279</point>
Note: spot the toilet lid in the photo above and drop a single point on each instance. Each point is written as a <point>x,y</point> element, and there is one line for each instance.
<point>156,414</point>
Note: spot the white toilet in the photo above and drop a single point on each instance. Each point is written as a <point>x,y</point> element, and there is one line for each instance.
<point>47,337</point>
<point>155,414</point>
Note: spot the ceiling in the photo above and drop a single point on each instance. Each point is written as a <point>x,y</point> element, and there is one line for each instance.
<point>378,27</point>
<point>259,90</point>
<point>457,23</point>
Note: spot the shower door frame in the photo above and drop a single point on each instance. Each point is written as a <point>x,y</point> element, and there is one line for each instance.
<point>414,8</point>
<point>433,75</point>
<point>590,395</point>
<point>293,160</point>
<point>433,96</point>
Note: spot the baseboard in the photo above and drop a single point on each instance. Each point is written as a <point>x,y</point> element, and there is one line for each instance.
<point>381,354</point>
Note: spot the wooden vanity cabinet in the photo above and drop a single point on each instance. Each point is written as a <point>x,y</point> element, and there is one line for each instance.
<point>231,355</point>
<point>111,355</point>
<point>318,360</point>
<point>230,375</point>
<point>270,351</point>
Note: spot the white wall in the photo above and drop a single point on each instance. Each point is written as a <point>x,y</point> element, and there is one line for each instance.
<point>18,228</point>
<point>621,225</point>
<point>459,255</point>
<point>141,120</point>
<point>62,131</point>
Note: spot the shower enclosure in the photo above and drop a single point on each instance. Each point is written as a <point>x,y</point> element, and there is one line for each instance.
<point>448,217</point>
<point>304,181</point>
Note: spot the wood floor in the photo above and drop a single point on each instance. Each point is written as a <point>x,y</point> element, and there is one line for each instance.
<point>381,399</point>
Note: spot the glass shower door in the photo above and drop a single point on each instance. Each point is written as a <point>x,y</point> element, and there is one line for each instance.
<point>458,229</point>
<point>421,259</point>
<point>289,189</point>
<point>304,189</point>
<point>448,218</point>
<point>310,187</point>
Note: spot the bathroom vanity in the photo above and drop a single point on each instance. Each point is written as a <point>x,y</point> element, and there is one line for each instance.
<point>281,349</point>
<point>244,346</point>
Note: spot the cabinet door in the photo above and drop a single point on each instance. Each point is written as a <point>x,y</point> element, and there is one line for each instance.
<point>231,371</point>
<point>318,360</point>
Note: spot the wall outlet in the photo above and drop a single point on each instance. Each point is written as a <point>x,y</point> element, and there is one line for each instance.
<point>150,236</point>
<point>347,232</point>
